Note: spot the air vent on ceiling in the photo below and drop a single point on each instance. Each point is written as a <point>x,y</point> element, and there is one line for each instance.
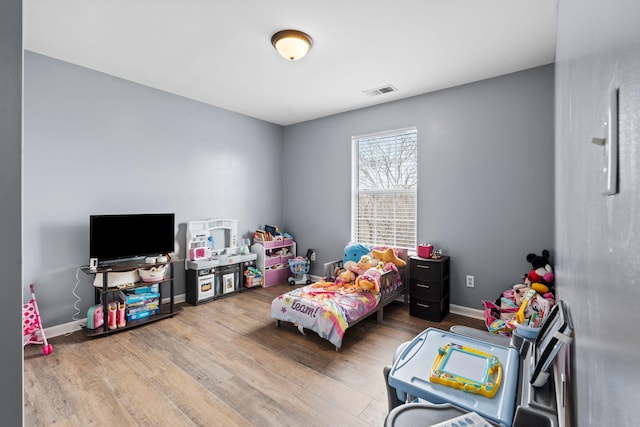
<point>381,90</point>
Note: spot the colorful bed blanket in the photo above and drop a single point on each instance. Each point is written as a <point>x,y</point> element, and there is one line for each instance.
<point>324,308</point>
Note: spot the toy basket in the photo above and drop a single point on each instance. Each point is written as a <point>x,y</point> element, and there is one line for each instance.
<point>153,274</point>
<point>299,265</point>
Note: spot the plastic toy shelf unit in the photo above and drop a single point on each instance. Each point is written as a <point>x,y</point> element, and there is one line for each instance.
<point>273,259</point>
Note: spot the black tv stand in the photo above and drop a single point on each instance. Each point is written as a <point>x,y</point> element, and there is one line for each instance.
<point>122,264</point>
<point>167,309</point>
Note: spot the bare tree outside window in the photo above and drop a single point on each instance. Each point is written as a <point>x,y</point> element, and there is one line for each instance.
<point>384,188</point>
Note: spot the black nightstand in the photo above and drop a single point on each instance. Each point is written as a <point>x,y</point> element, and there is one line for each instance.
<point>429,287</point>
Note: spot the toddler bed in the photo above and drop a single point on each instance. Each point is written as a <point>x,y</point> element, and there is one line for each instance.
<point>329,306</point>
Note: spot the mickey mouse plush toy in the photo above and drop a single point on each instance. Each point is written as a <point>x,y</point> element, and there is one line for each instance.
<point>541,277</point>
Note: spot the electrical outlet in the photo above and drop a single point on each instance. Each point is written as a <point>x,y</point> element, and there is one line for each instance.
<point>470,281</point>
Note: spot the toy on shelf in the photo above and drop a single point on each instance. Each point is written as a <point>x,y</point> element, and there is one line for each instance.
<point>270,233</point>
<point>253,277</point>
<point>202,243</point>
<point>153,274</point>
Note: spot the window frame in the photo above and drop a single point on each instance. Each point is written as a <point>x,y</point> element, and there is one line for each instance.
<point>394,237</point>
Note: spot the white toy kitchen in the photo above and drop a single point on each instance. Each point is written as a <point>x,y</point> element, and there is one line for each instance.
<point>215,261</point>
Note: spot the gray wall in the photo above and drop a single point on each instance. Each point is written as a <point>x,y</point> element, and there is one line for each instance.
<point>598,237</point>
<point>96,144</point>
<point>99,144</point>
<point>485,177</point>
<point>10,211</point>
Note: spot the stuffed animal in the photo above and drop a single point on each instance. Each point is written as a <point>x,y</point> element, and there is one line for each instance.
<point>365,263</point>
<point>350,266</point>
<point>369,281</point>
<point>388,255</point>
<point>541,276</point>
<point>390,267</point>
<point>353,252</point>
<point>345,277</point>
<point>519,292</point>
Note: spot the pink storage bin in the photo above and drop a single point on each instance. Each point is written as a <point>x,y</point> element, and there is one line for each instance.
<point>425,250</point>
<point>269,243</point>
<point>273,260</point>
<point>274,276</point>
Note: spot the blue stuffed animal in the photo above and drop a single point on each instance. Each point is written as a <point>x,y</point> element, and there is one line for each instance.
<point>354,251</point>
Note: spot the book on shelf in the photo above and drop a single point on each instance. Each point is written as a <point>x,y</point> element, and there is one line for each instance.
<point>142,314</point>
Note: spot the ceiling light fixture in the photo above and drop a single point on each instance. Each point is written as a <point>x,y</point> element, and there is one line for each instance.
<point>292,44</point>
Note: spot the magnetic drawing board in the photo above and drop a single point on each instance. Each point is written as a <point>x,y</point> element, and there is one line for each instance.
<point>467,369</point>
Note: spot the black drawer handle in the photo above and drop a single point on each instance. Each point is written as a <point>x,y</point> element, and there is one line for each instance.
<point>424,266</point>
<point>423,286</point>
<point>423,305</point>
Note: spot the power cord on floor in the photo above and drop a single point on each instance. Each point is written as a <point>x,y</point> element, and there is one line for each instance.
<point>76,314</point>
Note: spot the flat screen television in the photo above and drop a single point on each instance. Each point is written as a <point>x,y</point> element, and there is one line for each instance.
<point>114,238</point>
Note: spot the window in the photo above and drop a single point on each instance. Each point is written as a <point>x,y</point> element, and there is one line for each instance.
<point>384,188</point>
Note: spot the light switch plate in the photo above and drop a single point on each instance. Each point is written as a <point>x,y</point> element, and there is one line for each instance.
<point>611,145</point>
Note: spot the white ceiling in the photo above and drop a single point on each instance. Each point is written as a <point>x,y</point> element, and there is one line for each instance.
<point>219,51</point>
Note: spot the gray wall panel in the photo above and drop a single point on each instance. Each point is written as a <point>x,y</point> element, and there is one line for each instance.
<point>598,237</point>
<point>11,366</point>
<point>485,183</point>
<point>96,144</point>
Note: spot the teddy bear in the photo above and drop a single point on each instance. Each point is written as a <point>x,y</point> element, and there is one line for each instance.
<point>541,276</point>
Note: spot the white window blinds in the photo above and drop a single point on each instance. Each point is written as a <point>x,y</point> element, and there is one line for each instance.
<point>384,188</point>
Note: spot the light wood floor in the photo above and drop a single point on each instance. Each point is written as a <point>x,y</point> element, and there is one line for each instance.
<point>223,363</point>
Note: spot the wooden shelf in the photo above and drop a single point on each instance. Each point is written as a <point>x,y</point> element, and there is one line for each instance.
<point>164,313</point>
<point>101,294</point>
<point>136,285</point>
<point>127,266</point>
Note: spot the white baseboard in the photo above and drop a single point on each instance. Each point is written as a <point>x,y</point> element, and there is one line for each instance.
<point>65,328</point>
<point>76,325</point>
<point>466,311</point>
